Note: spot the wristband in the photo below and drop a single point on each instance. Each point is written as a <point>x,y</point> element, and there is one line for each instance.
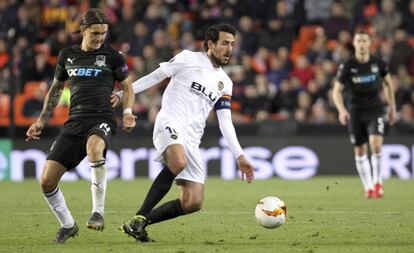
<point>127,111</point>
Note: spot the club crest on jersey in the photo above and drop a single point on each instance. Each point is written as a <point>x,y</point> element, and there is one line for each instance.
<point>220,85</point>
<point>374,68</point>
<point>100,61</point>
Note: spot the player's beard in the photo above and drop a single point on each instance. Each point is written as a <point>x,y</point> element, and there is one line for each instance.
<point>216,61</point>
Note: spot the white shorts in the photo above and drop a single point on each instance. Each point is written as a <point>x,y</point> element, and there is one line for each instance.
<point>166,134</point>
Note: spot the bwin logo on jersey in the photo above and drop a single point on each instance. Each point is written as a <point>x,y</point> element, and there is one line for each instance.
<point>84,72</point>
<point>200,90</point>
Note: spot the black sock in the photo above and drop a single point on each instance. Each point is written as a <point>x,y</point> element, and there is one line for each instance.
<point>166,211</point>
<point>159,188</point>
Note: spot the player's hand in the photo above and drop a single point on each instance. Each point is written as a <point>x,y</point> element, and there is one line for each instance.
<point>344,117</point>
<point>115,100</point>
<point>246,168</point>
<point>392,117</point>
<point>128,122</point>
<point>35,130</point>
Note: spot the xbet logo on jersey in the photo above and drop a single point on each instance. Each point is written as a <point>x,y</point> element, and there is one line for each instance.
<point>84,72</point>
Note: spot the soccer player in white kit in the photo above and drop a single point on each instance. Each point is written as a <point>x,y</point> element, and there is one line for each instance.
<point>198,84</point>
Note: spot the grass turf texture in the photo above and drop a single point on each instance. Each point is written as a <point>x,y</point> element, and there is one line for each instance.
<point>325,214</point>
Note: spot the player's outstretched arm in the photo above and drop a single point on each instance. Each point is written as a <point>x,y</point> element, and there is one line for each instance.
<point>339,102</point>
<point>128,119</point>
<point>51,100</point>
<point>229,133</point>
<point>392,112</point>
<point>142,84</point>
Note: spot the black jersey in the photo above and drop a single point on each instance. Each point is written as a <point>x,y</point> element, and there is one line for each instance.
<point>363,81</point>
<point>91,75</point>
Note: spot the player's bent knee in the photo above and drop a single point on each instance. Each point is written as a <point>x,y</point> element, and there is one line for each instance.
<point>47,184</point>
<point>178,164</point>
<point>94,154</point>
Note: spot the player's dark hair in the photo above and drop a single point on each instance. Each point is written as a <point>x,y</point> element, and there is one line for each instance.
<point>93,16</point>
<point>212,33</point>
<point>363,32</point>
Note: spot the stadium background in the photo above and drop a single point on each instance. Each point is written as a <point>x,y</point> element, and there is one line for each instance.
<point>282,69</point>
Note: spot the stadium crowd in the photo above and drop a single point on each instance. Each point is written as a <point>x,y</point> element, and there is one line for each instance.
<point>282,66</point>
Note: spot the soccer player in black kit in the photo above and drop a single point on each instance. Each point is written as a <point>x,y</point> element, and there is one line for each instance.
<point>91,69</point>
<point>363,77</point>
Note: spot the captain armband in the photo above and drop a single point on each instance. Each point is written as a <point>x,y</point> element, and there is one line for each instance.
<point>223,103</point>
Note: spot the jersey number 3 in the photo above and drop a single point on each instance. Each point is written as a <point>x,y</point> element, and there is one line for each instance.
<point>105,127</point>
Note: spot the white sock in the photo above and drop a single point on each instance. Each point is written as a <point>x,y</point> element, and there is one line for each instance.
<point>98,186</point>
<point>57,203</point>
<point>376,167</point>
<point>364,170</point>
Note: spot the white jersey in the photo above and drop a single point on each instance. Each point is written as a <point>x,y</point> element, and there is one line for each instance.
<point>195,86</point>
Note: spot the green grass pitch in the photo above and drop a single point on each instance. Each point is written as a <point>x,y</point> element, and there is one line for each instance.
<point>325,214</point>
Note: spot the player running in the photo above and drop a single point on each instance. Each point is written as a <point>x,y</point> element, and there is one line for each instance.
<point>363,76</point>
<point>91,69</point>
<point>198,84</point>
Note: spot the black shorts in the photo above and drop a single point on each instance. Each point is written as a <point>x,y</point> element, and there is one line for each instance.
<point>364,123</point>
<point>69,148</point>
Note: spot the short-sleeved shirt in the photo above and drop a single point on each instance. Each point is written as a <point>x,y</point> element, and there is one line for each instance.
<point>91,76</point>
<point>363,82</point>
<point>195,88</point>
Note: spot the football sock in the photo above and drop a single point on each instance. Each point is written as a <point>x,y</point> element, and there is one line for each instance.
<point>159,188</point>
<point>376,167</point>
<point>57,203</point>
<point>98,186</point>
<point>166,211</point>
<point>364,170</point>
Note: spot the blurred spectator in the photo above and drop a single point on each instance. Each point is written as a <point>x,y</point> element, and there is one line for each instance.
<point>33,106</point>
<point>4,54</point>
<point>302,110</point>
<point>58,40</point>
<point>41,70</point>
<point>160,41</point>
<point>148,104</point>
<point>408,18</point>
<point>319,50</point>
<point>388,20</point>
<point>124,29</point>
<point>249,37</point>
<point>401,52</point>
<point>139,39</point>
<point>407,114</point>
<point>275,35</point>
<point>277,71</point>
<point>319,113</point>
<point>285,99</point>
<point>187,41</point>
<point>317,11</point>
<point>153,18</point>
<point>7,19</point>
<point>302,70</point>
<point>336,22</point>
<point>25,26</point>
<point>5,80</point>
<point>55,14</point>
<point>259,60</point>
<point>151,59</point>
<point>73,21</point>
